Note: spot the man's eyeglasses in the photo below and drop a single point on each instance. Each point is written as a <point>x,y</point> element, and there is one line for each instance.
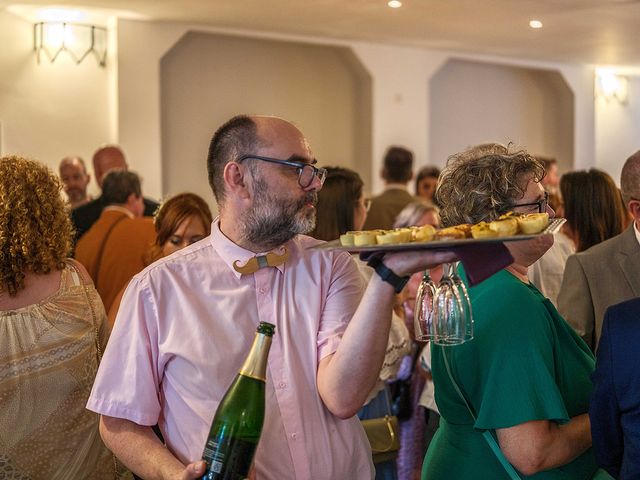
<point>541,204</point>
<point>306,171</point>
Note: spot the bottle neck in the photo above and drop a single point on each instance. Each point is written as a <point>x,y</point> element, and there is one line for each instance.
<point>255,365</point>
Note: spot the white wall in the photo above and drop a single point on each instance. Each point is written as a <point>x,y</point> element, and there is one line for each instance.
<point>617,130</point>
<point>206,79</point>
<point>401,111</point>
<point>49,111</point>
<point>475,103</point>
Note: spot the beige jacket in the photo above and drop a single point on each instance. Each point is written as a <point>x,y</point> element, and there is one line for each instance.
<point>605,274</point>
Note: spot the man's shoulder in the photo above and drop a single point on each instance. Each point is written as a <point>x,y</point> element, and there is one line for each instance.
<point>85,215</point>
<point>150,207</point>
<point>94,207</point>
<point>304,247</point>
<point>603,250</point>
<point>136,230</point>
<point>394,193</point>
<point>628,310</point>
<point>189,260</point>
<point>622,332</point>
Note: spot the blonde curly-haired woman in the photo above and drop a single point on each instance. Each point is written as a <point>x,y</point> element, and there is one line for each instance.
<point>52,330</point>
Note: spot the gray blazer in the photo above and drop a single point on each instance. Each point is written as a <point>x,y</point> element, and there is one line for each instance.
<point>604,275</point>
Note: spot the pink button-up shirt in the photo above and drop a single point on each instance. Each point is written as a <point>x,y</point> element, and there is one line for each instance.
<point>184,328</point>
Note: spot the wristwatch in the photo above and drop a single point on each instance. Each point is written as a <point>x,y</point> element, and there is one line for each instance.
<point>386,274</point>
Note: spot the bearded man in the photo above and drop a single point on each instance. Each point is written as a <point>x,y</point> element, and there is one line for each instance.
<point>75,180</point>
<point>186,323</point>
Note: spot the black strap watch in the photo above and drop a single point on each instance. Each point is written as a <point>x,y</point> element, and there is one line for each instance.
<point>386,274</point>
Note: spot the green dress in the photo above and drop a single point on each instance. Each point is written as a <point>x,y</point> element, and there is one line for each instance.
<point>525,363</point>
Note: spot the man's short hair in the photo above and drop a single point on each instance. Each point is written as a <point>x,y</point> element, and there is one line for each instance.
<point>117,185</point>
<point>398,165</point>
<point>630,178</point>
<point>238,136</point>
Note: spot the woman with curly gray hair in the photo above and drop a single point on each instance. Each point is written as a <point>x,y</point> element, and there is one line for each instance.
<point>52,331</point>
<point>524,378</point>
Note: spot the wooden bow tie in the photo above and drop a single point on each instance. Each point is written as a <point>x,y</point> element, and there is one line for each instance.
<point>259,261</point>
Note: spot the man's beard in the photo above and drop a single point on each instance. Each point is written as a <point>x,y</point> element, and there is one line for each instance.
<point>75,194</point>
<point>272,221</point>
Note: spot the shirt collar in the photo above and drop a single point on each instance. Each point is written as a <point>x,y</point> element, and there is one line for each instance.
<point>637,232</point>
<point>118,208</point>
<point>396,186</point>
<point>230,252</point>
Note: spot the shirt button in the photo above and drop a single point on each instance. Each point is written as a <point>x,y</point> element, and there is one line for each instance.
<point>294,436</point>
<point>282,385</point>
<point>261,291</point>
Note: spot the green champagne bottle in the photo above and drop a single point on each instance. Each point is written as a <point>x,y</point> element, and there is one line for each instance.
<point>237,424</point>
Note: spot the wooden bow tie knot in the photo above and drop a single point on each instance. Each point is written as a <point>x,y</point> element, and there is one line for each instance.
<point>254,264</point>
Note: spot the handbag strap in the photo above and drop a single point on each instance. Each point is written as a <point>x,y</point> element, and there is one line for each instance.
<point>386,398</point>
<point>96,268</point>
<point>513,475</point>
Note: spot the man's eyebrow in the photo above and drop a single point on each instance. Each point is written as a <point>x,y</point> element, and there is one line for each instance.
<point>301,159</point>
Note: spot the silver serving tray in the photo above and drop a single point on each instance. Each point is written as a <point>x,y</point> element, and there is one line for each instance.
<point>553,227</point>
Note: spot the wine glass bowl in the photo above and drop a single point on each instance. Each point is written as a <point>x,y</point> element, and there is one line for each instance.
<point>463,294</point>
<point>452,319</point>
<point>423,313</point>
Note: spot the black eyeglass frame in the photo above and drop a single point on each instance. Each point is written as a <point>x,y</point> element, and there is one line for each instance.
<point>318,172</point>
<point>542,203</point>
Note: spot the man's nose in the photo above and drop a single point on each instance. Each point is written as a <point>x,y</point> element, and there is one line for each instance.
<point>315,185</point>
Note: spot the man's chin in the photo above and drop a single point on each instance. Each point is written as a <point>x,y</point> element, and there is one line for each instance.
<point>308,221</point>
<point>74,199</point>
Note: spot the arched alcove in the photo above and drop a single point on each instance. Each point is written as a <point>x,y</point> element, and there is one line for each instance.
<point>205,79</point>
<point>473,102</point>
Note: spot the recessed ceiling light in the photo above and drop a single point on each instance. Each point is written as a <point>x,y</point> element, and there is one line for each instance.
<point>535,24</point>
<point>394,3</point>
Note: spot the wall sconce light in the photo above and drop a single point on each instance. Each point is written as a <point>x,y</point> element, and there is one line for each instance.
<point>78,40</point>
<point>610,85</point>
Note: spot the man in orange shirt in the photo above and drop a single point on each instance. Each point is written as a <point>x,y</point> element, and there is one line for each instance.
<point>113,249</point>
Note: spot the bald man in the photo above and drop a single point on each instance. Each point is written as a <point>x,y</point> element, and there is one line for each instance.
<point>107,158</point>
<point>185,324</point>
<point>75,180</point>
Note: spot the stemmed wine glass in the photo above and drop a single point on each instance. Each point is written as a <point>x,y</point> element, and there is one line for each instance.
<point>466,303</point>
<point>452,321</point>
<point>423,312</point>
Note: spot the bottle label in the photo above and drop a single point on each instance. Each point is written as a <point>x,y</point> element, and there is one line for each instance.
<point>228,460</point>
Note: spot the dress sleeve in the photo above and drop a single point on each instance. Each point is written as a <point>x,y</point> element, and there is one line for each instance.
<point>516,370</point>
<point>574,301</point>
<point>126,385</point>
<point>604,412</point>
<point>345,291</point>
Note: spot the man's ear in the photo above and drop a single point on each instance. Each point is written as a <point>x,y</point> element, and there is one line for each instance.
<point>234,176</point>
<point>132,198</point>
<point>133,201</point>
<point>634,208</point>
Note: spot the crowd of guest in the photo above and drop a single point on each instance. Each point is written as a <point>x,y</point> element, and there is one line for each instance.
<point>124,320</point>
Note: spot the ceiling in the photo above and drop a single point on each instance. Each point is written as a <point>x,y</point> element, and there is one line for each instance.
<point>598,32</point>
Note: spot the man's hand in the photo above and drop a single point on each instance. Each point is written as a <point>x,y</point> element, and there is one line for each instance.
<point>194,470</point>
